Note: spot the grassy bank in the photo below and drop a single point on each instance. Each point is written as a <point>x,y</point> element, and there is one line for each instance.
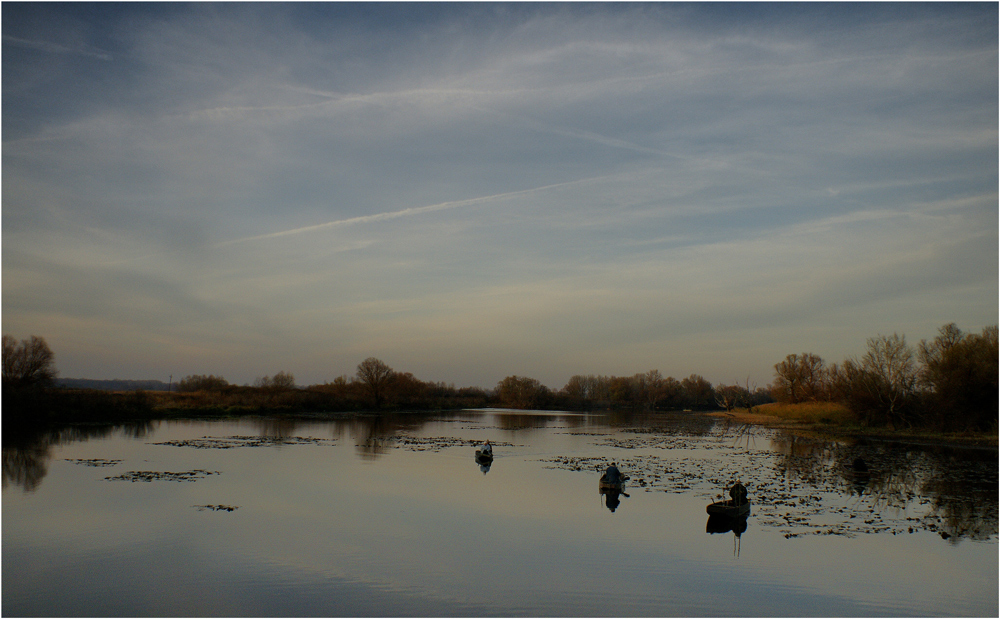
<point>833,420</point>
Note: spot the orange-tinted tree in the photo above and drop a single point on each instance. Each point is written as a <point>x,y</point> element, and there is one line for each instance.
<point>521,392</point>
<point>202,382</point>
<point>698,393</point>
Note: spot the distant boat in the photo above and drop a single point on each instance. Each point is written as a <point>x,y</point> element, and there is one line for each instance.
<point>617,486</point>
<point>484,457</point>
<point>729,508</point>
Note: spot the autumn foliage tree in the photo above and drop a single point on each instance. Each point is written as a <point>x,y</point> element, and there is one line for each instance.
<point>202,382</point>
<point>698,392</point>
<point>521,392</point>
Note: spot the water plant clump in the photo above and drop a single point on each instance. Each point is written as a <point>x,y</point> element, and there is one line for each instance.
<point>150,476</point>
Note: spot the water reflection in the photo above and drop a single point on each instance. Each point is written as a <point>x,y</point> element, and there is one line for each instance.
<point>718,523</point>
<point>959,485</point>
<point>953,492</point>
<point>612,497</point>
<point>27,450</point>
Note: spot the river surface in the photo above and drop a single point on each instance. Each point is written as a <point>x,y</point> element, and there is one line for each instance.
<point>393,516</point>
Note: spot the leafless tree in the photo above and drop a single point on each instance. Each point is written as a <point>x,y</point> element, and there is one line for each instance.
<point>281,380</point>
<point>28,363</point>
<point>888,374</point>
<point>728,396</point>
<point>800,378</point>
<point>375,376</point>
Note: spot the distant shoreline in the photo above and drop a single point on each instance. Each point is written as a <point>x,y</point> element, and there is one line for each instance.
<point>810,426</point>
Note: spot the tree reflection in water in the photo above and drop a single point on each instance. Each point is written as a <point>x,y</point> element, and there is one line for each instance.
<point>27,449</point>
<point>801,485</point>
<point>955,487</point>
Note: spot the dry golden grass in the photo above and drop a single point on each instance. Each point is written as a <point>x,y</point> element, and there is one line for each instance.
<point>808,412</point>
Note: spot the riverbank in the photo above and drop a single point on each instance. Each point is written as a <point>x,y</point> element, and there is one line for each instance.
<point>831,420</point>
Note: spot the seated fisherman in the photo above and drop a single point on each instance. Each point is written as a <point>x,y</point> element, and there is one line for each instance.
<point>612,475</point>
<point>486,449</point>
<point>738,493</point>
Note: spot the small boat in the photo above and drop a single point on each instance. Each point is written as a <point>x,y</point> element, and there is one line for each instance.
<point>484,456</point>
<point>617,486</point>
<point>729,508</point>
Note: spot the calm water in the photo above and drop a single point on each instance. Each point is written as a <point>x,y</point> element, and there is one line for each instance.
<point>393,517</point>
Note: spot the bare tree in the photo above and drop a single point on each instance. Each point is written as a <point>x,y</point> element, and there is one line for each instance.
<point>28,363</point>
<point>890,375</point>
<point>800,378</point>
<point>728,396</point>
<point>281,380</point>
<point>375,376</point>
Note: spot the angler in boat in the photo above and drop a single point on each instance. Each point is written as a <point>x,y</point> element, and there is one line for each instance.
<point>612,485</point>
<point>612,477</point>
<point>737,505</point>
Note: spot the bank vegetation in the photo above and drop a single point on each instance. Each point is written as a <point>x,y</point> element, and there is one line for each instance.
<point>945,385</point>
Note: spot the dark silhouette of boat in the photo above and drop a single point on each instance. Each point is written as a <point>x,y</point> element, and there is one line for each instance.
<point>484,457</point>
<point>729,509</point>
<point>737,506</point>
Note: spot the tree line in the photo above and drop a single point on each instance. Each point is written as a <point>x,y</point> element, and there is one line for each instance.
<point>948,383</point>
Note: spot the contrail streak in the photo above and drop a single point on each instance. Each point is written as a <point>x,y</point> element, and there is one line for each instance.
<point>406,212</point>
<point>376,217</point>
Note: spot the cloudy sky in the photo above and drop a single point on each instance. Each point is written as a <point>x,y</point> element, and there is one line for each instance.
<point>470,191</point>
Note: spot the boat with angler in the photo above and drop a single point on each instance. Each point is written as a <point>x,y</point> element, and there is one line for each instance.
<point>736,506</point>
<point>612,479</point>
<point>729,508</point>
<point>484,455</point>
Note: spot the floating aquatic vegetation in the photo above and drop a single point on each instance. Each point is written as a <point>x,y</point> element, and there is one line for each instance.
<point>805,488</point>
<point>96,462</point>
<point>149,476</point>
<point>423,443</point>
<point>217,508</point>
<point>232,442</point>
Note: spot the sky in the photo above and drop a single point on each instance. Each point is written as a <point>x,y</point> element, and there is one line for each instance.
<point>473,191</point>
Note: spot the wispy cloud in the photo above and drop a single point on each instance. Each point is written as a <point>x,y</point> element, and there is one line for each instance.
<point>608,188</point>
<point>57,48</point>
